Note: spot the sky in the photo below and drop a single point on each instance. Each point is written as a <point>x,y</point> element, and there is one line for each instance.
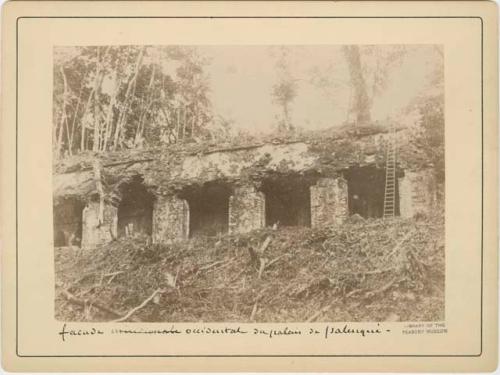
<point>242,78</point>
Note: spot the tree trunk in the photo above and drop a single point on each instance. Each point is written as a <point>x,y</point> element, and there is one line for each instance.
<point>63,114</point>
<point>87,105</point>
<point>73,123</point>
<point>361,104</point>
<point>184,119</point>
<point>286,113</point>
<point>109,116</point>
<point>128,95</point>
<point>95,145</point>
<point>100,190</point>
<point>147,105</point>
<point>177,128</point>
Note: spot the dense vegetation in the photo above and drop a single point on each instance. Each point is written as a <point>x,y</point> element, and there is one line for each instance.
<point>109,98</point>
<point>363,270</point>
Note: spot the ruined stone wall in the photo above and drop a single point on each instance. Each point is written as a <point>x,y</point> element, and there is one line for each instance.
<point>168,170</point>
<point>417,193</point>
<point>95,233</point>
<point>246,209</point>
<point>329,202</point>
<point>67,233</point>
<point>67,217</point>
<point>170,219</point>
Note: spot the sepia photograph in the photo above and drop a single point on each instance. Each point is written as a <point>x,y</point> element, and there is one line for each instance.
<point>280,183</point>
<point>249,186</point>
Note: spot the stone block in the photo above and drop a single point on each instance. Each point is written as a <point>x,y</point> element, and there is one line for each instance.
<point>329,202</point>
<point>170,219</point>
<point>95,233</point>
<point>246,209</point>
<point>417,193</point>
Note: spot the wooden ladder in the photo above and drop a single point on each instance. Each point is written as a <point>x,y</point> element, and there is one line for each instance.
<point>390,175</point>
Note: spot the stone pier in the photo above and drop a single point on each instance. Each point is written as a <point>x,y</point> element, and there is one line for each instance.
<point>170,219</point>
<point>95,233</point>
<point>329,202</point>
<point>246,209</point>
<point>417,193</point>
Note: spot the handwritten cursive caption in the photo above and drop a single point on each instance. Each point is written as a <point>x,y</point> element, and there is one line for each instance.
<point>73,331</point>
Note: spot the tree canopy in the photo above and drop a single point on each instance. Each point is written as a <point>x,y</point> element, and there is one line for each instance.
<point>104,96</point>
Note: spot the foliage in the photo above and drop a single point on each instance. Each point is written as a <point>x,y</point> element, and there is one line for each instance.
<point>429,131</point>
<point>122,97</point>
<point>431,135</point>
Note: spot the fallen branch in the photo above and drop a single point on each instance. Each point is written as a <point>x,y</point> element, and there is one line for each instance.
<point>135,309</point>
<point>266,243</point>
<point>420,265</point>
<point>253,255</point>
<point>112,278</point>
<point>282,293</point>
<point>372,272</point>
<point>353,292</point>
<point>238,275</point>
<point>84,303</point>
<point>257,300</point>
<point>419,260</point>
<point>400,243</point>
<point>321,311</point>
<point>385,287</point>
<point>262,266</point>
<point>113,273</point>
<point>316,284</point>
<point>177,276</point>
<point>207,267</point>
<point>274,261</point>
<point>254,311</point>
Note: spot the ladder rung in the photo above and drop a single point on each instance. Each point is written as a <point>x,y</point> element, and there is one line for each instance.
<point>390,174</point>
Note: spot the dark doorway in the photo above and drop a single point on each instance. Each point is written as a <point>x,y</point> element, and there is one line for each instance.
<point>135,211</point>
<point>366,188</point>
<point>68,222</point>
<point>208,208</point>
<point>288,201</point>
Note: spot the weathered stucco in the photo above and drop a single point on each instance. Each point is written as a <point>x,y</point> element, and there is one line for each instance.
<point>95,233</point>
<point>246,209</point>
<point>169,176</point>
<point>329,201</point>
<point>170,169</point>
<point>170,219</point>
<point>417,193</point>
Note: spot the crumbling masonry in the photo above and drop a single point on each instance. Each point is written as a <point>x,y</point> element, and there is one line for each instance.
<point>233,191</point>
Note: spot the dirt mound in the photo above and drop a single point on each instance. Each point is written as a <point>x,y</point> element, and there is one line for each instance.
<point>369,270</point>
